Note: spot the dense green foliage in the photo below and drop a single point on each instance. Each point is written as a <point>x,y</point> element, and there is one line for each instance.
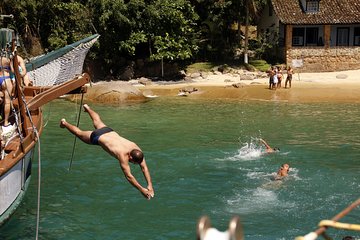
<point>169,30</point>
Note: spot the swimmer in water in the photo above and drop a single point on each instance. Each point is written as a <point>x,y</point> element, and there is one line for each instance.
<point>283,171</point>
<point>268,148</point>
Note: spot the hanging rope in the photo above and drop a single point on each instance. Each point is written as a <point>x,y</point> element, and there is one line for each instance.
<point>37,137</point>
<point>39,185</point>
<point>46,121</point>
<point>77,125</point>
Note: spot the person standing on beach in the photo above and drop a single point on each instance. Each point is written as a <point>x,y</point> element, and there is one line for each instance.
<point>271,74</point>
<point>290,72</point>
<point>279,76</point>
<point>276,80</point>
<point>122,149</point>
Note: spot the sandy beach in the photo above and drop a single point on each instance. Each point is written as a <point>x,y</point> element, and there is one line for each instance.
<point>306,87</point>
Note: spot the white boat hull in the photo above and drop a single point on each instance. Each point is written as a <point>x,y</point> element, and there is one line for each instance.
<point>13,186</point>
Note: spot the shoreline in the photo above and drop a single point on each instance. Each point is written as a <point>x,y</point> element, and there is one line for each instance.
<point>306,87</point>
<point>341,87</point>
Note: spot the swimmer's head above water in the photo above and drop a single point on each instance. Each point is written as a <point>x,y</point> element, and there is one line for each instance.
<point>285,166</point>
<point>283,171</point>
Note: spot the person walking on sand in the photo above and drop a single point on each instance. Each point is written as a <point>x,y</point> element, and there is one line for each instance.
<point>122,149</point>
<point>290,73</point>
<point>268,148</point>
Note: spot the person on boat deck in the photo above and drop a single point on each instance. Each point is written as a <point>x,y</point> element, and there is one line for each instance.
<point>283,171</point>
<point>6,88</point>
<point>22,70</point>
<point>268,148</point>
<point>122,149</point>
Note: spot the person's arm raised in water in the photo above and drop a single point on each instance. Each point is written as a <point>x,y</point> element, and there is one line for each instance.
<point>265,143</point>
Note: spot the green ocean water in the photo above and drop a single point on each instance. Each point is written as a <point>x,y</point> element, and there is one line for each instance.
<point>205,159</point>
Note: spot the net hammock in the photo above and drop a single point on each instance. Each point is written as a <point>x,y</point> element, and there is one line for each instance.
<point>60,65</point>
<point>55,67</point>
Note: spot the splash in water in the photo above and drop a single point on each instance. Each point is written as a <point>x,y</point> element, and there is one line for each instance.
<point>249,150</point>
<point>253,201</point>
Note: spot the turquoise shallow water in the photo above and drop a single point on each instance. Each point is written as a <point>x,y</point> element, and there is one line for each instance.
<point>204,159</point>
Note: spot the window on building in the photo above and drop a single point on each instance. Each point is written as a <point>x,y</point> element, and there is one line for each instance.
<point>357,36</point>
<point>312,5</point>
<point>306,36</point>
<point>312,35</point>
<point>298,36</point>
<point>342,38</point>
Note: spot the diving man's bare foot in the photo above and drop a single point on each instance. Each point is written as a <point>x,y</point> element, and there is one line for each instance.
<point>62,123</point>
<point>86,107</point>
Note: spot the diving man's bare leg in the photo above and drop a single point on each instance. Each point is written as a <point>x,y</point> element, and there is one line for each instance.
<point>82,135</point>
<point>94,116</point>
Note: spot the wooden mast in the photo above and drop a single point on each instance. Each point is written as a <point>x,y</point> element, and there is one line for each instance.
<point>18,93</point>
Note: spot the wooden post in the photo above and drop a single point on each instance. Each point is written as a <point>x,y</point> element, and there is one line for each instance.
<point>288,44</point>
<point>327,36</point>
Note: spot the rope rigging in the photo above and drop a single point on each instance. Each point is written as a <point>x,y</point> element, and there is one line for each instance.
<point>77,125</point>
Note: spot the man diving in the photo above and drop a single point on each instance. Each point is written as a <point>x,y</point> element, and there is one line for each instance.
<point>120,148</point>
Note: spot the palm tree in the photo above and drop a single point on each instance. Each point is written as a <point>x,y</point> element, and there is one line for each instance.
<point>246,31</point>
<point>251,7</point>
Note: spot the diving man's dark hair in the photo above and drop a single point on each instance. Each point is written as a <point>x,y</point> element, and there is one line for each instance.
<point>137,155</point>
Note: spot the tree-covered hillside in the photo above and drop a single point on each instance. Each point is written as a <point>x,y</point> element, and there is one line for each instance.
<point>172,31</point>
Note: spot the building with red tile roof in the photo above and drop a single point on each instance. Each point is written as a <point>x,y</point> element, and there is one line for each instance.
<point>314,35</point>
